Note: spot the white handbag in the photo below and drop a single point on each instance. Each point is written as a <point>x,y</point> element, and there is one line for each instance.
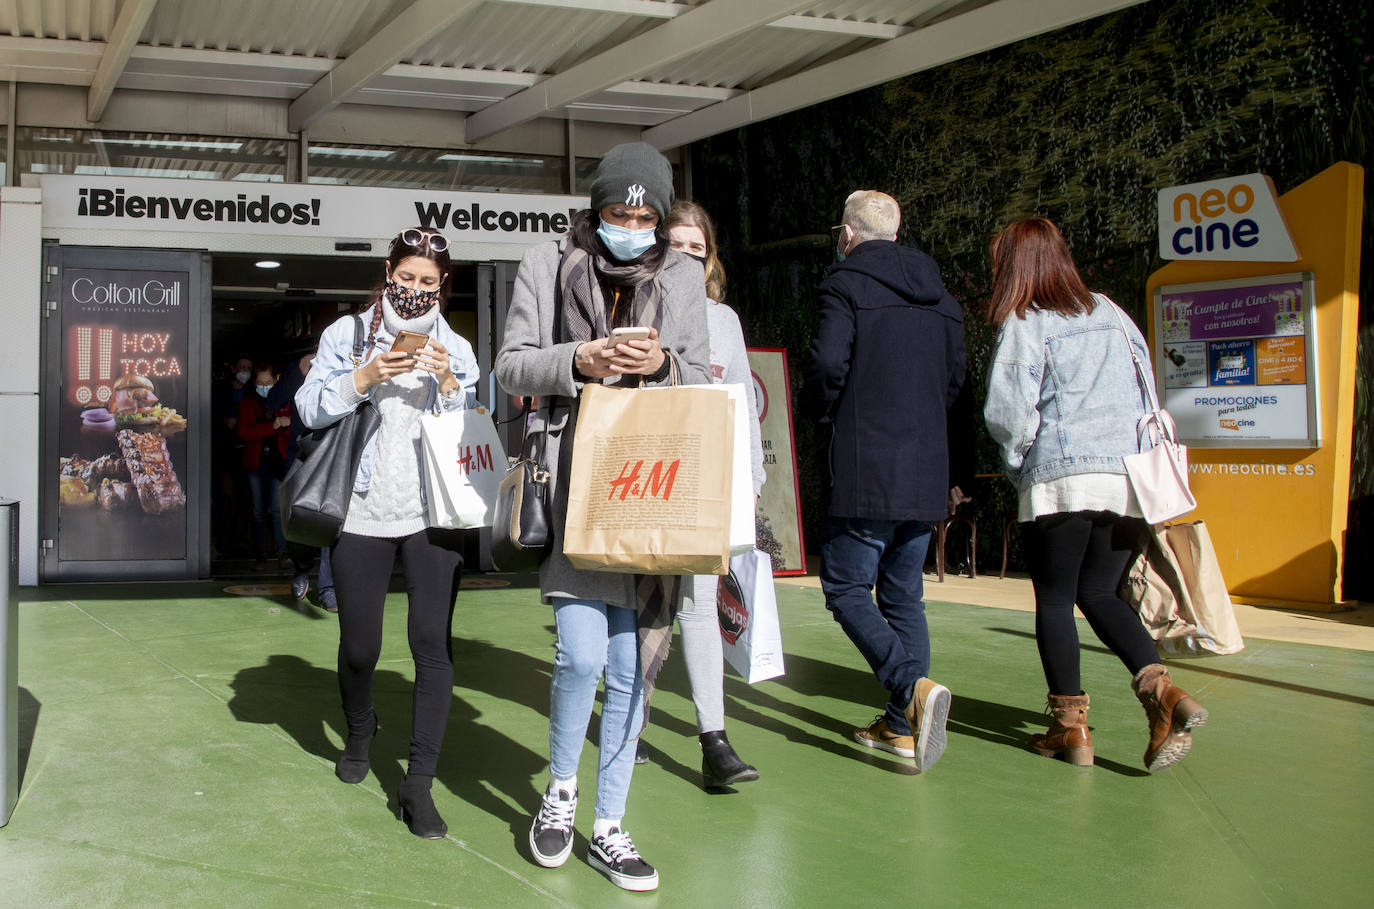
<point>464,463</point>
<point>1159,470</point>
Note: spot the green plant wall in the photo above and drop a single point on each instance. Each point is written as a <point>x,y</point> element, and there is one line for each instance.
<point>1083,126</point>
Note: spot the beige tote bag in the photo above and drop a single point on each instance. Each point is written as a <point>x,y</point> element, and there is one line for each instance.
<point>649,486</point>
<point>1175,585</point>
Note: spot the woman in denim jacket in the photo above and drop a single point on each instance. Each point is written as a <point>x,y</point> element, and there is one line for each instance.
<point>1063,403</point>
<point>386,514</point>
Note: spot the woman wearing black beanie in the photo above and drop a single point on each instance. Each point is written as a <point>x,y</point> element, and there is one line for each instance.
<point>613,270</point>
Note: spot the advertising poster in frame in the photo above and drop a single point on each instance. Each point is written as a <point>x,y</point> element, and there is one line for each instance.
<point>778,526</point>
<point>121,423</point>
<point>1236,361</point>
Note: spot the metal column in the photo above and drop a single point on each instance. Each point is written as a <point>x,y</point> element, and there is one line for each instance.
<point>9,659</point>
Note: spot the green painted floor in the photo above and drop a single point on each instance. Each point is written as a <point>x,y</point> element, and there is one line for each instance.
<point>177,746</point>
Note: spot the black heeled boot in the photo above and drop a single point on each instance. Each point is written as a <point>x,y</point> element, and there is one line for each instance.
<point>353,763</point>
<point>720,766</point>
<point>417,807</point>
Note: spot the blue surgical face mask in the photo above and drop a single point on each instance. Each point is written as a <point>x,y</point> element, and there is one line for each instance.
<point>264,389</point>
<point>624,244</point>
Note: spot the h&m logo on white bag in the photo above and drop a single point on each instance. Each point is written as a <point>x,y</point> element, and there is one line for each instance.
<point>635,195</point>
<point>475,459</point>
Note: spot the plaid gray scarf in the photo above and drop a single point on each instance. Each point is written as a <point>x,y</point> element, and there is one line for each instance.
<point>585,316</point>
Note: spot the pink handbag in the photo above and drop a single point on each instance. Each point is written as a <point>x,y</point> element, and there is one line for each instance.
<point>1159,471</point>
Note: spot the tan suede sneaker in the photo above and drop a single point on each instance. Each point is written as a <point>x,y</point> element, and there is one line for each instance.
<point>880,736</point>
<point>927,714</point>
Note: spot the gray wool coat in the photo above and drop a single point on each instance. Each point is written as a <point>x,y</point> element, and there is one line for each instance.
<point>529,363</point>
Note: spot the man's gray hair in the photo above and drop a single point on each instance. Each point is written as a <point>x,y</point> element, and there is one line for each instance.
<point>873,215</point>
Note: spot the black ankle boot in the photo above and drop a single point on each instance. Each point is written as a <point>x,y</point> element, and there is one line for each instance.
<point>720,766</point>
<point>417,808</point>
<point>353,763</point>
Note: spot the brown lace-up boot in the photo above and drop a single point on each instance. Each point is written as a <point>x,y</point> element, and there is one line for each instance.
<point>1068,735</point>
<point>1171,712</point>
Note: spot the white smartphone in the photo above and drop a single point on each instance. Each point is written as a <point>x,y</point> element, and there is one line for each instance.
<point>631,333</point>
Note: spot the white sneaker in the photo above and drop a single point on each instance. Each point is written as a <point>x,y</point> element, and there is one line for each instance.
<point>551,834</point>
<point>616,857</point>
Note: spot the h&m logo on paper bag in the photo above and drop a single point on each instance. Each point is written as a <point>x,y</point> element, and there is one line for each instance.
<point>731,610</point>
<point>475,459</point>
<point>657,485</point>
<point>1234,219</point>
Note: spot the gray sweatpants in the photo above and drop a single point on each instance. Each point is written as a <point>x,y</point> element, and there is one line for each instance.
<point>701,648</point>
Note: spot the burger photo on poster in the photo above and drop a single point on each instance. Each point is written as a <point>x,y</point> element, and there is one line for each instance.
<point>135,405</point>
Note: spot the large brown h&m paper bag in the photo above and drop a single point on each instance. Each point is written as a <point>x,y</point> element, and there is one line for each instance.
<point>649,487</point>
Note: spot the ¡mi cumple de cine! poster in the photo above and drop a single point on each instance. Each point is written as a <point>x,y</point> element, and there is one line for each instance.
<point>778,516</point>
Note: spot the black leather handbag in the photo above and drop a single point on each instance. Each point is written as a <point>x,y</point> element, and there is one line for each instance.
<point>315,493</point>
<point>522,529</point>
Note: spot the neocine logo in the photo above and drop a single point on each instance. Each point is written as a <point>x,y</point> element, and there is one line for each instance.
<point>445,215</point>
<point>115,203</point>
<point>1237,219</point>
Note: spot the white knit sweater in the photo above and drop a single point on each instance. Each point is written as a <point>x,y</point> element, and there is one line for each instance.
<point>393,506</point>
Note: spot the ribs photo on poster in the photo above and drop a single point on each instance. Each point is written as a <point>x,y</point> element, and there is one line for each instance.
<point>150,468</point>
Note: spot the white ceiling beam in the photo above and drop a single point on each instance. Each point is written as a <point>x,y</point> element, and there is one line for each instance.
<point>954,38</point>
<point>48,60</point>
<point>710,23</point>
<point>656,10</point>
<point>421,22</point>
<point>651,9</point>
<point>849,28</point>
<point>133,16</point>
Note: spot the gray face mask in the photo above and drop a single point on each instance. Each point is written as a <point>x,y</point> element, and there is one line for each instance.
<point>243,377</point>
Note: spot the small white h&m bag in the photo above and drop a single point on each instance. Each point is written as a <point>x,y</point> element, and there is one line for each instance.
<point>1159,472</point>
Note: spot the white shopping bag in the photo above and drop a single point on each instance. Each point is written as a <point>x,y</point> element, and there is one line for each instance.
<point>464,463</point>
<point>747,609</point>
<point>741,472</point>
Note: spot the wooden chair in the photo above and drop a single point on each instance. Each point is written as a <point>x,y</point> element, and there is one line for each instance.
<point>942,532</point>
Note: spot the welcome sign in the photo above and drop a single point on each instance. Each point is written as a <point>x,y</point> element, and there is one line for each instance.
<point>1235,219</point>
<point>300,209</point>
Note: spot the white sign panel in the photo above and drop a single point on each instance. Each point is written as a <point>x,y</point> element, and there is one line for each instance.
<point>1235,219</point>
<point>300,209</point>
<point>1236,361</point>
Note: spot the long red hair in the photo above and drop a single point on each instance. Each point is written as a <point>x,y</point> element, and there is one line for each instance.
<point>1032,269</point>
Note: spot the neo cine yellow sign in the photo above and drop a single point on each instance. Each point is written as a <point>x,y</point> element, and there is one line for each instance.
<point>1235,219</point>
<point>1275,508</point>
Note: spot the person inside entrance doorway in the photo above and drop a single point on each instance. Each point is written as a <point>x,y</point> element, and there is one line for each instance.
<point>265,433</point>
<point>387,517</point>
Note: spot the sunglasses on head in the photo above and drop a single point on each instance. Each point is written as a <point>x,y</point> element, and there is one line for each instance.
<point>417,238</point>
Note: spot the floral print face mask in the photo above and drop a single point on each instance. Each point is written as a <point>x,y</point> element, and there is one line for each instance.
<point>410,302</point>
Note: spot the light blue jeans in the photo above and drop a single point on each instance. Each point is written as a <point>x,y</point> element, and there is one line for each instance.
<point>593,639</point>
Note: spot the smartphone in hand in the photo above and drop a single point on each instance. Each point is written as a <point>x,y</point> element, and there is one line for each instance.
<point>409,342</point>
<point>630,333</point>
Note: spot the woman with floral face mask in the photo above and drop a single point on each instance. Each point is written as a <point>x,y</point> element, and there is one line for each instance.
<point>387,515</point>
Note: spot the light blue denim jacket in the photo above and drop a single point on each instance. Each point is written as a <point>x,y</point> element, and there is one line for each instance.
<point>1063,397</point>
<point>329,394</point>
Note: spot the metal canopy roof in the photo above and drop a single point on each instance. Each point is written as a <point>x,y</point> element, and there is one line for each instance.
<point>681,69</point>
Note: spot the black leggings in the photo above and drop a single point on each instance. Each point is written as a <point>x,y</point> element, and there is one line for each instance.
<point>1081,556</point>
<point>432,564</point>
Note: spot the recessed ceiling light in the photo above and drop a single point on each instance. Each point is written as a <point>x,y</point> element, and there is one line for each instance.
<point>267,263</point>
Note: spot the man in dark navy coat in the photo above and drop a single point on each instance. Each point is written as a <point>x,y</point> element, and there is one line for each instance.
<point>881,377</point>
